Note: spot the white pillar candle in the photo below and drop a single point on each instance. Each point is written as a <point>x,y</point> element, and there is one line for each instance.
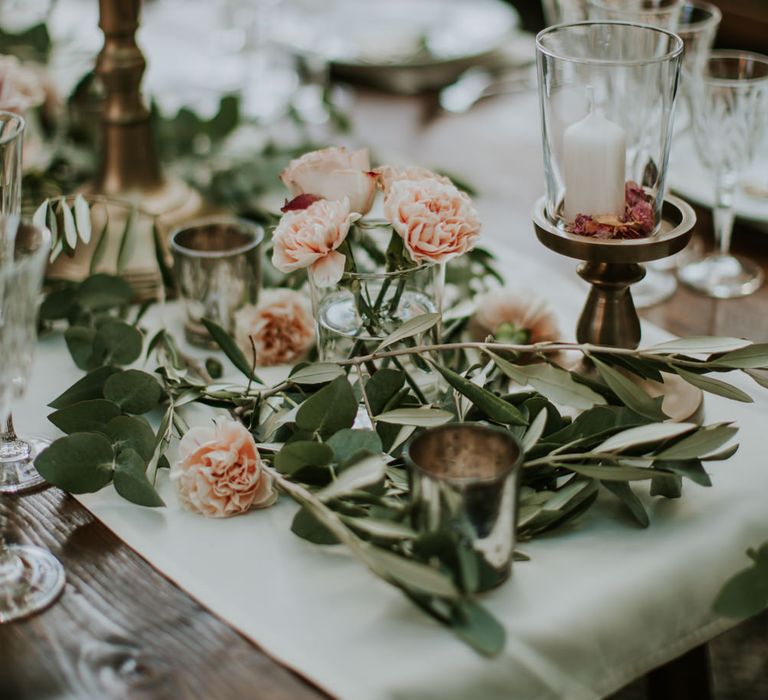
<point>594,158</point>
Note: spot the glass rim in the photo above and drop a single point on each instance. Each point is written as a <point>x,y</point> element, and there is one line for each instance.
<point>715,17</point>
<point>513,466</point>
<point>19,122</point>
<point>673,7</point>
<point>720,54</point>
<point>676,52</point>
<point>256,230</point>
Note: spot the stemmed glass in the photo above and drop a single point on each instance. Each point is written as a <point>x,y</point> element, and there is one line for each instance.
<point>30,577</point>
<point>730,118</point>
<point>17,471</point>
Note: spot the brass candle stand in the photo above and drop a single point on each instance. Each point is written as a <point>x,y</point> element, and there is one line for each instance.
<point>609,316</point>
<point>129,166</point>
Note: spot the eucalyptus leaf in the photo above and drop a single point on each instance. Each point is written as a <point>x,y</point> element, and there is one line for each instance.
<point>306,525</point>
<point>79,340</point>
<point>496,408</point>
<point>697,344</point>
<point>383,387</point>
<point>380,529</point>
<point>121,341</point>
<point>553,382</point>
<point>607,473</point>
<point>83,219</point>
<point>424,417</point>
<point>302,453</point>
<point>58,304</point>
<point>84,416</point>
<point>127,432</point>
<point>230,348</point>
<point>535,431</point>
<point>366,472</point>
<point>478,628</point>
<point>752,357</point>
<point>651,434</point>
<point>317,373</point>
<point>690,468</point>
<point>79,463</point>
<point>629,392</point>
<point>704,441</point>
<point>70,230</point>
<point>623,491</point>
<point>329,410</point>
<point>101,291</point>
<point>348,443</point>
<point>412,327</point>
<point>91,386</point>
<point>131,480</point>
<point>410,574</point>
<point>133,390</point>
<point>714,386</point>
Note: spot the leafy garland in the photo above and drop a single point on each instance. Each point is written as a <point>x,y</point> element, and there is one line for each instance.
<point>351,484</point>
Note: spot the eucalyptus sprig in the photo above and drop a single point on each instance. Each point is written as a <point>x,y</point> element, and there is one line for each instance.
<point>351,482</point>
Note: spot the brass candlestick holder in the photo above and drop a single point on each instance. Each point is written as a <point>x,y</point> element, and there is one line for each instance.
<point>129,166</point>
<point>612,266</point>
<point>609,316</point>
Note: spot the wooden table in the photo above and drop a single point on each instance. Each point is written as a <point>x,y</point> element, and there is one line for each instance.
<point>121,629</point>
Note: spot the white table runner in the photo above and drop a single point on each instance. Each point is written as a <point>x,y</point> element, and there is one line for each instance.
<point>599,603</point>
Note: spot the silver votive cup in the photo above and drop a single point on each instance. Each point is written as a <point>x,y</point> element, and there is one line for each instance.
<point>217,265</point>
<point>464,480</point>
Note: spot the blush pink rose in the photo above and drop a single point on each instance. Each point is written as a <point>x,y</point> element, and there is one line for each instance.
<point>281,326</point>
<point>389,174</point>
<point>219,472</point>
<point>309,238</point>
<point>436,221</point>
<point>515,310</point>
<point>334,173</point>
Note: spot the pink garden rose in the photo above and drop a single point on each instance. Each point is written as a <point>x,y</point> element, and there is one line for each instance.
<point>436,221</point>
<point>281,325</point>
<point>219,472</point>
<point>389,175</point>
<point>333,173</point>
<point>309,238</point>
<point>510,310</point>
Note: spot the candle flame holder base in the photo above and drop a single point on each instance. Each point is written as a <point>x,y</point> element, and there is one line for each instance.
<point>611,267</point>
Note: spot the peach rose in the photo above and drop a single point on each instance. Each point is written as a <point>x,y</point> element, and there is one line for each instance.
<point>505,311</point>
<point>281,325</point>
<point>219,472</point>
<point>333,173</point>
<point>309,238</point>
<point>388,174</point>
<point>436,221</point>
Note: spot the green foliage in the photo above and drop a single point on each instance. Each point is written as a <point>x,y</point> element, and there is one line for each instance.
<point>353,492</point>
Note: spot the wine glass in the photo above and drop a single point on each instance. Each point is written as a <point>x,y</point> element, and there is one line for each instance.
<point>30,577</point>
<point>730,118</point>
<point>663,14</point>
<point>17,471</point>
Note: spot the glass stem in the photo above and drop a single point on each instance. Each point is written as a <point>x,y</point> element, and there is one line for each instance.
<point>722,212</point>
<point>11,448</point>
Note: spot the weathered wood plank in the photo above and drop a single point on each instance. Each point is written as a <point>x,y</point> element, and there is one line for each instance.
<point>121,629</point>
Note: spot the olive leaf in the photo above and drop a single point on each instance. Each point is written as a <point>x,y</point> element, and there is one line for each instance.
<point>415,326</point>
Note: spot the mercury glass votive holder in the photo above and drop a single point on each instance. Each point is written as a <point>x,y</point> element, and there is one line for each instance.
<point>607,93</point>
<point>464,481</point>
<point>217,266</point>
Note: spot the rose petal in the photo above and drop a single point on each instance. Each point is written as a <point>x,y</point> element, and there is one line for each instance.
<point>328,270</point>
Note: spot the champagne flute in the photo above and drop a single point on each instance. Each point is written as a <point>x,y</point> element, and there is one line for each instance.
<point>730,118</point>
<point>17,471</point>
<point>30,577</point>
